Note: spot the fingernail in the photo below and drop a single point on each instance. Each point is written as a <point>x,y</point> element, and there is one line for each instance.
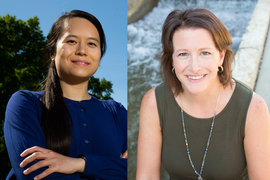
<point>35,178</point>
<point>25,171</point>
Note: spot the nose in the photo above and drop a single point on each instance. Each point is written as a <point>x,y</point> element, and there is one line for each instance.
<point>81,50</point>
<point>194,64</point>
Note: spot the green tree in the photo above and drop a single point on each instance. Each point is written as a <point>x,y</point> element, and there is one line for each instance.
<point>101,89</point>
<point>21,67</point>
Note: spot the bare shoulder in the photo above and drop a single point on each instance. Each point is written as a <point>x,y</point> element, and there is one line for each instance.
<point>149,118</point>
<point>148,111</point>
<point>257,115</point>
<point>257,139</point>
<point>258,109</point>
<point>149,99</point>
<point>149,139</point>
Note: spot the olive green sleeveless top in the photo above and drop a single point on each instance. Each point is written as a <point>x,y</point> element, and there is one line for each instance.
<point>225,159</point>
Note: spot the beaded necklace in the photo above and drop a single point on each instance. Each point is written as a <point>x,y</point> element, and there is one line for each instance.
<point>208,141</point>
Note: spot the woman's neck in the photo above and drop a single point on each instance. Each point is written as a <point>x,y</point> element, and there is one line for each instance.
<point>203,104</point>
<point>203,97</point>
<point>76,92</point>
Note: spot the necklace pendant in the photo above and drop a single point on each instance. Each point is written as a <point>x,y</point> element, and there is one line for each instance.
<point>200,178</point>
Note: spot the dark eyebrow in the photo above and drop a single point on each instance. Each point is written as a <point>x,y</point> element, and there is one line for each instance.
<point>91,38</point>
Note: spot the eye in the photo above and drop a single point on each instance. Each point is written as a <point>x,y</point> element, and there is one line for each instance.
<point>205,53</point>
<point>71,42</point>
<point>183,54</point>
<point>92,44</point>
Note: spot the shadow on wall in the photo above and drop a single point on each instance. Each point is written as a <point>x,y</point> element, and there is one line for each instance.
<point>137,9</point>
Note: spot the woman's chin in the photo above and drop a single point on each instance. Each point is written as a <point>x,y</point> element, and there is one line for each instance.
<point>75,78</point>
<point>195,89</point>
<point>82,74</point>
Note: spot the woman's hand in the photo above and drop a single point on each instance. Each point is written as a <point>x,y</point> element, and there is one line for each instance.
<point>54,161</point>
<point>125,155</point>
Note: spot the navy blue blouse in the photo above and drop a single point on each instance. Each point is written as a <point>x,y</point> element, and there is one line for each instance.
<point>99,133</point>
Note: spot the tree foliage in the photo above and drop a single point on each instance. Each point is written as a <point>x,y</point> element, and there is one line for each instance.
<point>21,67</point>
<point>101,89</point>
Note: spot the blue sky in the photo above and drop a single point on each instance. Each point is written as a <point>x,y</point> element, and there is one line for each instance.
<point>111,13</point>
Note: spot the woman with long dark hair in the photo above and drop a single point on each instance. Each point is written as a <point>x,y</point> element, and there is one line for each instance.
<point>201,123</point>
<point>63,132</point>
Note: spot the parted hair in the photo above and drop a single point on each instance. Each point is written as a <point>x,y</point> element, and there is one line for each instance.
<point>194,18</point>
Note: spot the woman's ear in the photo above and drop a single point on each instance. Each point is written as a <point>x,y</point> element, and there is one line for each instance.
<point>52,56</point>
<point>222,56</point>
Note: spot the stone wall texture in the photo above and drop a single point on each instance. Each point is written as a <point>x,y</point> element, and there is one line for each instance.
<point>137,9</point>
<point>251,47</point>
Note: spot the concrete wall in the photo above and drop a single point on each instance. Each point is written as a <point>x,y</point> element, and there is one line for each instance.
<point>137,9</point>
<point>251,47</point>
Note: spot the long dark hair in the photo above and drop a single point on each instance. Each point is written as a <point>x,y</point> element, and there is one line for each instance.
<point>56,121</point>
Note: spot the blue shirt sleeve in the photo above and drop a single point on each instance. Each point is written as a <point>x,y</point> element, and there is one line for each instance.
<point>106,167</point>
<point>22,130</point>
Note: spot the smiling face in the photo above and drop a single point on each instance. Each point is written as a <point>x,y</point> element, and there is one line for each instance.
<point>196,59</point>
<point>77,51</point>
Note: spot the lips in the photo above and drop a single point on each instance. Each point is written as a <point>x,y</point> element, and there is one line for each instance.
<point>80,62</point>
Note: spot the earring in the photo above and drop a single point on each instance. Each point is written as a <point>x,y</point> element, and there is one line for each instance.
<point>220,69</point>
<point>173,70</point>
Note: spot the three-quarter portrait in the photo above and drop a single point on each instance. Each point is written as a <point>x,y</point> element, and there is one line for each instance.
<point>198,111</point>
<point>73,125</point>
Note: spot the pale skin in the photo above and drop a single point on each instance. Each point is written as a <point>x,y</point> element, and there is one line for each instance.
<point>77,59</point>
<point>196,57</point>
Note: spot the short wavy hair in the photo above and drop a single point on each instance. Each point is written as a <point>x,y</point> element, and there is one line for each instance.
<point>194,18</point>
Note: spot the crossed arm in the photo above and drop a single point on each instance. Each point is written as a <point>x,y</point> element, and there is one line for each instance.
<point>30,158</point>
<point>55,161</point>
